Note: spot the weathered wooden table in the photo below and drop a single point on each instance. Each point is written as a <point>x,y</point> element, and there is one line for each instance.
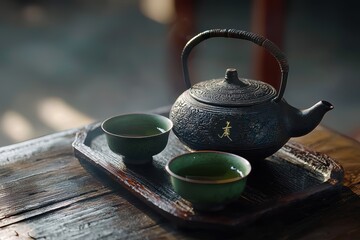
<point>46,193</point>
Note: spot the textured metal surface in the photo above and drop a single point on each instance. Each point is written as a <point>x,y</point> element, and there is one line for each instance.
<point>253,132</point>
<point>242,116</point>
<point>238,34</point>
<point>220,92</point>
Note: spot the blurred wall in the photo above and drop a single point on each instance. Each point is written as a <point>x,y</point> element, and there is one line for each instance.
<point>64,64</point>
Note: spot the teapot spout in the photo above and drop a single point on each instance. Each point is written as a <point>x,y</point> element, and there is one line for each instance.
<point>304,121</point>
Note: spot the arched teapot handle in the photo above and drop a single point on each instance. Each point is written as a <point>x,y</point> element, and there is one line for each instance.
<point>233,33</point>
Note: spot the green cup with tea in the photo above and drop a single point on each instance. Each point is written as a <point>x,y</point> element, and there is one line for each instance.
<point>137,136</point>
<point>208,179</point>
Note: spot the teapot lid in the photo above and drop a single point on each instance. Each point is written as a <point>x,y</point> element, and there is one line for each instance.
<point>232,91</point>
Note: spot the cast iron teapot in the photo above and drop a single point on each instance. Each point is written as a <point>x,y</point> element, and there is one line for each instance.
<point>243,116</point>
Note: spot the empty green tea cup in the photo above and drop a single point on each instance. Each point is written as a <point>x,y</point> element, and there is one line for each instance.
<point>137,136</point>
<point>208,179</point>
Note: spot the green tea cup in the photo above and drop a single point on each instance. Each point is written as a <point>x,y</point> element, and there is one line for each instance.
<point>137,136</point>
<point>208,179</point>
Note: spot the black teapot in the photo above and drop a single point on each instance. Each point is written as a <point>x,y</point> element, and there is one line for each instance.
<point>243,116</point>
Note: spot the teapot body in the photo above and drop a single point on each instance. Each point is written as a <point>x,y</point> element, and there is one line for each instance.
<point>254,132</point>
<point>243,116</point>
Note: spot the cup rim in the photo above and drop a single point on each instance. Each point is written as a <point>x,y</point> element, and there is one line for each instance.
<point>137,137</point>
<point>242,159</point>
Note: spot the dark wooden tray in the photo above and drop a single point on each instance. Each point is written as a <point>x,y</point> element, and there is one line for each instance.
<point>292,176</point>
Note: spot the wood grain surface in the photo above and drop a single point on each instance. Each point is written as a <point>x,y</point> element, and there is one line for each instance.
<point>46,193</point>
<point>292,176</point>
<point>343,149</point>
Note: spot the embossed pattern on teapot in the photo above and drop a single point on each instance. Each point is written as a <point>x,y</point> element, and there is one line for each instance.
<point>242,116</point>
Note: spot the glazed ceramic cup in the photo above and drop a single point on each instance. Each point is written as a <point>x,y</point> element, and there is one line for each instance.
<point>138,136</point>
<point>208,179</point>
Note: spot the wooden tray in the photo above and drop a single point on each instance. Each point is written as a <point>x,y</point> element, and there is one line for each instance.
<point>292,176</point>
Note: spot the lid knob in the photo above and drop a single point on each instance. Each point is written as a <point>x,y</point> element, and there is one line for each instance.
<point>231,76</point>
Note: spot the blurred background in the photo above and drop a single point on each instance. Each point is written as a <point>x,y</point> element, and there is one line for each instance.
<point>64,64</point>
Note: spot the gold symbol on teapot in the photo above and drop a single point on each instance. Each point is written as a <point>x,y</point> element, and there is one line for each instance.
<point>226,132</point>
